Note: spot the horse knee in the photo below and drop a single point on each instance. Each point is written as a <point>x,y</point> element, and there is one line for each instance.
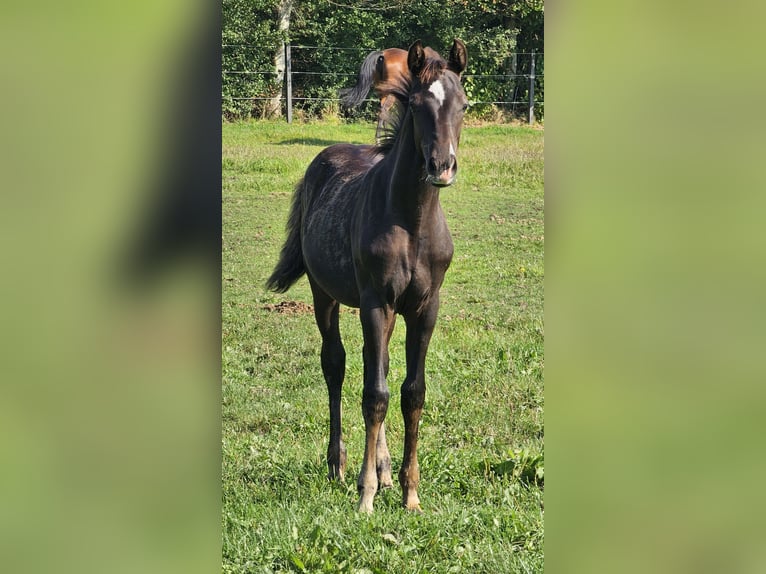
<point>375,403</point>
<point>413,394</point>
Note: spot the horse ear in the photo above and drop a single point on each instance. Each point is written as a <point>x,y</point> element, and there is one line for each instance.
<point>416,57</point>
<point>457,57</point>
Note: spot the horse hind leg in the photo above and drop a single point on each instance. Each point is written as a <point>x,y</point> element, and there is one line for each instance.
<point>383,460</point>
<point>333,358</point>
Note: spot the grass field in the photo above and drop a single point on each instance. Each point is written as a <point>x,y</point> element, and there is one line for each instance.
<point>481,438</point>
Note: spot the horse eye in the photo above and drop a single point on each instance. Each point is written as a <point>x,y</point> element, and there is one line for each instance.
<point>465,106</point>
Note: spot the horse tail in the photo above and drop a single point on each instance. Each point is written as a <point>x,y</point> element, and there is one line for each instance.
<point>352,97</point>
<point>290,267</point>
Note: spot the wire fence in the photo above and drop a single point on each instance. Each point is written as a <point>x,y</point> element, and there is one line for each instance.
<point>307,80</point>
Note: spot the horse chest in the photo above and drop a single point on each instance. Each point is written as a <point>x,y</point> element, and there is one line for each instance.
<point>403,269</point>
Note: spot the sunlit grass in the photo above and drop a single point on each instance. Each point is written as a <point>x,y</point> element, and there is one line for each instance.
<point>481,448</point>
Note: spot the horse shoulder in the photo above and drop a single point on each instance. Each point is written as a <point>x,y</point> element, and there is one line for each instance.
<point>385,245</point>
<point>382,260</point>
<point>439,246</point>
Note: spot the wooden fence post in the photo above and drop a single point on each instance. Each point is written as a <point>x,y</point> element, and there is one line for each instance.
<point>532,90</point>
<point>288,84</point>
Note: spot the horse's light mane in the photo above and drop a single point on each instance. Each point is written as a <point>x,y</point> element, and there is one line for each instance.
<point>433,66</point>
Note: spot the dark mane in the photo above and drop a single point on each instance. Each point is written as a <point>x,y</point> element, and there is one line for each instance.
<point>400,87</point>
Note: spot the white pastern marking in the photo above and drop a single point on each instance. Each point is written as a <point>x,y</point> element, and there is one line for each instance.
<point>438,91</point>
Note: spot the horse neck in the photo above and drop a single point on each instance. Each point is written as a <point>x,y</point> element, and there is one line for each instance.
<point>409,195</point>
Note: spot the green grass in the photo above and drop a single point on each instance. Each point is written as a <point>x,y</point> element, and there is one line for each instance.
<point>481,447</point>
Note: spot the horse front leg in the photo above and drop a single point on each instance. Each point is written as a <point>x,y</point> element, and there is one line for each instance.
<point>382,454</point>
<point>377,325</point>
<point>413,391</point>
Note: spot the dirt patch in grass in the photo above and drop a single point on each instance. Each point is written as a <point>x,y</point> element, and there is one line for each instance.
<point>289,307</point>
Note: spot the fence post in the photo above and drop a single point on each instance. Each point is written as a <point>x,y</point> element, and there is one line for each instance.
<point>288,83</point>
<point>532,90</point>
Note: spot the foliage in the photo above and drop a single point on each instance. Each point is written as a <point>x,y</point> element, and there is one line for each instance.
<point>481,437</point>
<point>492,30</point>
<point>249,39</point>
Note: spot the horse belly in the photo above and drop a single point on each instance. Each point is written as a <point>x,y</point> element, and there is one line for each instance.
<point>333,181</point>
<point>328,259</point>
<point>337,280</point>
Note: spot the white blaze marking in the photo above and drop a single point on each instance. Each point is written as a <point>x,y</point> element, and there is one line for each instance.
<point>438,91</point>
<point>451,149</point>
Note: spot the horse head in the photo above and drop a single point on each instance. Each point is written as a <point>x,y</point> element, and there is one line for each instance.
<point>437,102</point>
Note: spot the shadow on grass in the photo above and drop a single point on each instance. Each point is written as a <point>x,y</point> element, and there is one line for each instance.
<point>310,141</point>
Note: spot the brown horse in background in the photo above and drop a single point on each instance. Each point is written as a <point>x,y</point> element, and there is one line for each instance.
<point>380,70</point>
<point>367,228</point>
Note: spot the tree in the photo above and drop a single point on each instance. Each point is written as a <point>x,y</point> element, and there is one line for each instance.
<point>284,9</point>
<point>493,30</point>
<point>249,35</point>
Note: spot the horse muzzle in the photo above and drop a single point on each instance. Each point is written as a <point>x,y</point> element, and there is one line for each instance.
<point>443,180</point>
<point>442,175</point>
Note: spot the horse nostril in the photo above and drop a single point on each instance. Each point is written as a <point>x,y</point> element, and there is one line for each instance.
<point>432,165</point>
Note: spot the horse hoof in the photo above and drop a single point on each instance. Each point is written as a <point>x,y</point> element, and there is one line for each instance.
<point>364,507</point>
<point>384,482</point>
<point>335,474</point>
<point>366,497</point>
<point>384,477</point>
<point>411,502</point>
<point>332,477</point>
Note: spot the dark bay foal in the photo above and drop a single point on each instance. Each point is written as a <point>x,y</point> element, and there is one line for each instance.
<point>367,228</point>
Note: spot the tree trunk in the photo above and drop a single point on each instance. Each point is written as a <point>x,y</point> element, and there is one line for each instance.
<point>274,107</point>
